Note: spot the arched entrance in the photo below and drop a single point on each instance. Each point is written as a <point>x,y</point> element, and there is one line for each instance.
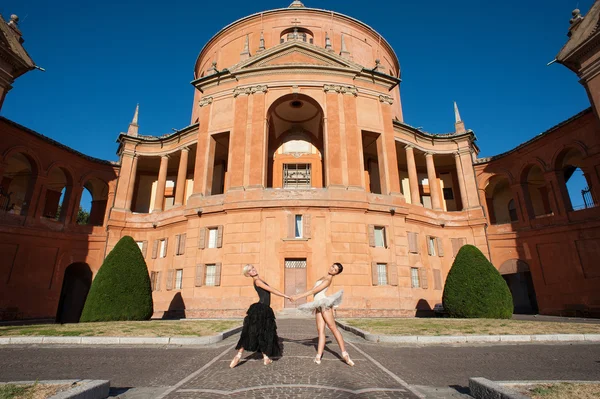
<point>295,143</point>
<point>518,278</point>
<point>75,288</point>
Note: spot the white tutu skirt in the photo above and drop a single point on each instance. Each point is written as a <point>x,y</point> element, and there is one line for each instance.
<point>325,302</point>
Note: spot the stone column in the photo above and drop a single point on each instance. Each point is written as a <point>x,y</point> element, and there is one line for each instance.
<point>461,181</point>
<point>123,186</point>
<point>181,176</point>
<point>524,207</point>
<point>390,159</point>
<point>413,178</point>
<point>159,198</point>
<point>200,165</point>
<point>466,162</point>
<point>237,151</point>
<point>333,160</point>
<point>131,183</point>
<point>558,195</point>
<point>591,177</point>
<point>434,188</point>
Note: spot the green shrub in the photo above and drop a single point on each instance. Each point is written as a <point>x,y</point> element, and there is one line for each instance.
<point>475,289</point>
<point>121,289</point>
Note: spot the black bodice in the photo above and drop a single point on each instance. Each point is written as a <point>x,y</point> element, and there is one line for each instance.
<point>263,295</point>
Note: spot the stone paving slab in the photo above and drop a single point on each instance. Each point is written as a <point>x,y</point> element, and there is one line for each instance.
<point>294,375</point>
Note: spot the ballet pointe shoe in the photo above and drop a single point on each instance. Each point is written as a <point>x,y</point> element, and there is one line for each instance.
<point>235,360</point>
<point>317,359</point>
<point>267,360</point>
<point>347,359</point>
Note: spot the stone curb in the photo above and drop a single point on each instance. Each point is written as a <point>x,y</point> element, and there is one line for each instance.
<point>211,339</point>
<point>482,388</point>
<point>462,339</point>
<point>88,389</point>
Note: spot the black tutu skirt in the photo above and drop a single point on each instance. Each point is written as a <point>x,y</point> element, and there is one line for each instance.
<point>259,333</point>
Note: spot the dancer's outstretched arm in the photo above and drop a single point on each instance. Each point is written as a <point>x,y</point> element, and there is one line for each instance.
<point>270,289</point>
<point>318,288</point>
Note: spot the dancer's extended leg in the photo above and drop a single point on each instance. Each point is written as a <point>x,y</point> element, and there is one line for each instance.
<point>330,321</point>
<point>322,337</point>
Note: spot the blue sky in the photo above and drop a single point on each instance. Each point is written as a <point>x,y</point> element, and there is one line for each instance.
<point>101,58</point>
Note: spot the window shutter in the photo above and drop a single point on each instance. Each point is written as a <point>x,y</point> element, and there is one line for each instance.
<point>181,245</point>
<point>463,241</point>
<point>144,248</point>
<point>393,274</point>
<point>157,284</point>
<point>374,274</point>
<point>166,246</point>
<point>199,274</point>
<point>170,273</point>
<point>177,244</point>
<point>306,226</point>
<point>291,229</point>
<point>202,238</point>
<point>437,279</point>
<point>454,246</point>
<point>371,233</point>
<point>155,249</point>
<point>428,246</point>
<point>152,281</point>
<point>423,277</point>
<point>220,236</point>
<point>217,274</point>
<point>413,245</point>
<point>440,246</point>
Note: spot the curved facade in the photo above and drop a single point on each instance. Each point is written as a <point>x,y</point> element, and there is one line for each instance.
<point>298,157</point>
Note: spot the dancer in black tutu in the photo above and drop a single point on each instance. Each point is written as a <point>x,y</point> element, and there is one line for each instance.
<point>259,333</point>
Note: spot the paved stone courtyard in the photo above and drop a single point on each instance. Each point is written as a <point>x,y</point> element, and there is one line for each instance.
<point>294,375</point>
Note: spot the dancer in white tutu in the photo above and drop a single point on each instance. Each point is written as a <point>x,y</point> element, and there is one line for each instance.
<point>322,307</point>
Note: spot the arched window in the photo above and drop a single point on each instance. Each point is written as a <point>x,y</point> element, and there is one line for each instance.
<point>296,33</point>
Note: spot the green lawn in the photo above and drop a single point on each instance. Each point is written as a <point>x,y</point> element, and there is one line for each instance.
<point>151,328</point>
<point>562,390</point>
<point>448,326</point>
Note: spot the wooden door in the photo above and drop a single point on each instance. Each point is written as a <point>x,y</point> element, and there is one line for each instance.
<point>295,280</point>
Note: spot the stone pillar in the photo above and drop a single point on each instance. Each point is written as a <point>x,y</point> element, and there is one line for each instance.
<point>123,185</point>
<point>333,160</point>
<point>413,178</point>
<point>524,207</point>
<point>591,176</point>
<point>461,181</point>
<point>76,193</point>
<point>353,142</point>
<point>434,187</point>
<point>558,195</point>
<point>238,147</point>
<point>202,148</point>
<point>159,198</point>
<point>466,162</point>
<point>181,176</point>
<point>257,162</point>
<point>390,159</point>
<point>131,183</point>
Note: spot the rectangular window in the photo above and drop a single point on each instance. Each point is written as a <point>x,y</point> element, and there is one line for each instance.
<point>431,246</point>
<point>382,274</point>
<point>298,227</point>
<point>212,238</point>
<point>296,176</point>
<point>211,272</point>
<point>380,236</point>
<point>178,279</point>
<point>163,248</point>
<point>414,277</point>
<point>448,193</point>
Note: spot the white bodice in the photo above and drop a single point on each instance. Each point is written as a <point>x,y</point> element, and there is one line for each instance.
<point>321,294</point>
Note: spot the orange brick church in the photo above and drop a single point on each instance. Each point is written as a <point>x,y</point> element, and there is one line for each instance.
<point>298,156</point>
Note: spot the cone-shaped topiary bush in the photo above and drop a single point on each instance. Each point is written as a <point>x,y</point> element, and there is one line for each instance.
<point>475,289</point>
<point>121,289</point>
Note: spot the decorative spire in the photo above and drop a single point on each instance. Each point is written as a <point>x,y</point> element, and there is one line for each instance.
<point>246,53</point>
<point>456,114</point>
<point>459,125</point>
<point>344,53</point>
<point>296,4</point>
<point>327,42</point>
<point>261,45</point>
<point>133,126</point>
